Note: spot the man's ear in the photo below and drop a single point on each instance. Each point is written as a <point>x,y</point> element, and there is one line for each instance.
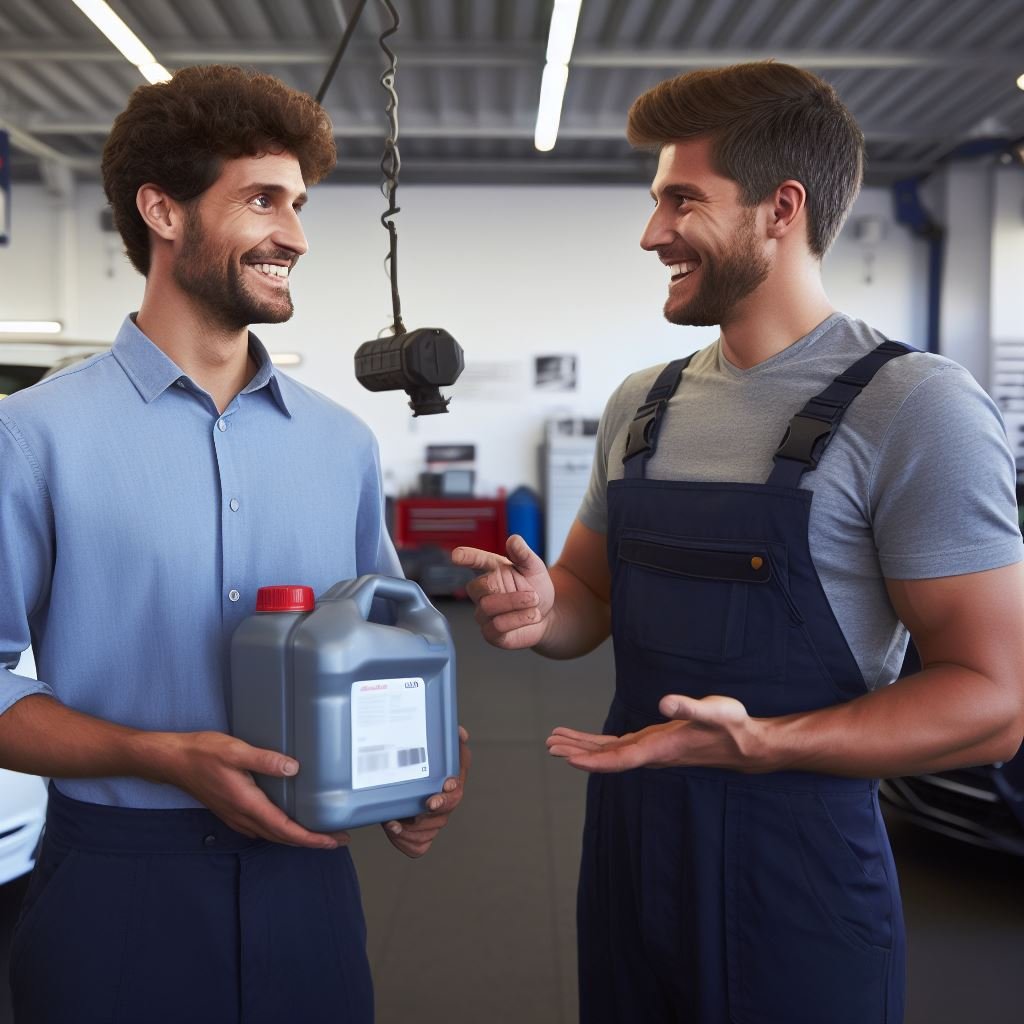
<point>789,203</point>
<point>162,214</point>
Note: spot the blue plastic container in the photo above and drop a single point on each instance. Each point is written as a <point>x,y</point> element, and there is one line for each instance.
<point>522,508</point>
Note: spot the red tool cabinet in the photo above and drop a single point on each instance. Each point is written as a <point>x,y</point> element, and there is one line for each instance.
<point>450,522</point>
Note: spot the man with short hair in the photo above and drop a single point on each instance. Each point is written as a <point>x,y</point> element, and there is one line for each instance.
<point>147,494</point>
<point>735,863</point>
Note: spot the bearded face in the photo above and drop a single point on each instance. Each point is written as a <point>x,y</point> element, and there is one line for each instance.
<point>234,290</point>
<point>704,290</point>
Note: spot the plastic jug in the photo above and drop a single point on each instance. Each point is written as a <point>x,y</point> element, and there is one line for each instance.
<point>366,707</point>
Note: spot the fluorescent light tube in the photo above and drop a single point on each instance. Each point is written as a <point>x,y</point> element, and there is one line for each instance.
<point>561,35</point>
<point>286,358</point>
<point>30,327</point>
<point>549,110</point>
<point>564,18</point>
<point>154,73</point>
<point>131,46</point>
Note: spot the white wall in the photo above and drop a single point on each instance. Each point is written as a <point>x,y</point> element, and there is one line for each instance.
<point>1007,295</point>
<point>511,272</point>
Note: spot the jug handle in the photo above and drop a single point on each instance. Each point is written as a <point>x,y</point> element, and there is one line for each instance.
<point>413,609</point>
<point>404,593</point>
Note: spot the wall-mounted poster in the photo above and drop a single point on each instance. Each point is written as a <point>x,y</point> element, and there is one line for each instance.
<point>555,373</point>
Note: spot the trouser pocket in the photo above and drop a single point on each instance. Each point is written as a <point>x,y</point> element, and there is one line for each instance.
<point>811,909</point>
<point>68,949</point>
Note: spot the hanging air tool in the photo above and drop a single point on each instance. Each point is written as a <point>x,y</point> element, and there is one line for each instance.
<point>418,362</point>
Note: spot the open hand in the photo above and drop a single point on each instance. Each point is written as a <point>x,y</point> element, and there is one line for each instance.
<point>713,731</point>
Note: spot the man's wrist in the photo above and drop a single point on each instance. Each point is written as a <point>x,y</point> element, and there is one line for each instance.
<point>775,747</point>
<point>765,750</point>
<point>156,756</point>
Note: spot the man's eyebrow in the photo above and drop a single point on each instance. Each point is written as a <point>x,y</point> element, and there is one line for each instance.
<point>682,186</point>
<point>274,190</point>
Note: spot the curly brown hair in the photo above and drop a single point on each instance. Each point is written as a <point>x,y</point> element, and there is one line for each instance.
<point>177,134</point>
<point>767,122</point>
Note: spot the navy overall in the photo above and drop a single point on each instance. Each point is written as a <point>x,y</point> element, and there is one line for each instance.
<point>709,896</point>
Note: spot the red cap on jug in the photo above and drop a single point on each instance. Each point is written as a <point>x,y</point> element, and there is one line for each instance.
<point>285,599</point>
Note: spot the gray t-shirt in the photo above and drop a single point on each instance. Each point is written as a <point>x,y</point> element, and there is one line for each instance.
<point>918,481</point>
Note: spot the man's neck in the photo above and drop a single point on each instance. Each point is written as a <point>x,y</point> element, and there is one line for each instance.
<point>213,356</point>
<point>780,312</point>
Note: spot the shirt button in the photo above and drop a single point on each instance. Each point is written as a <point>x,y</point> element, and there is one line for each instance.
<point>179,383</point>
<point>233,505</point>
<point>209,840</point>
<point>233,595</point>
<point>222,425</point>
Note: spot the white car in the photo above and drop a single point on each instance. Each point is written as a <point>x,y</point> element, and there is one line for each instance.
<point>22,808</point>
<point>23,362</point>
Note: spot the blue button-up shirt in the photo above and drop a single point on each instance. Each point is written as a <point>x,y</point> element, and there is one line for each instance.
<point>136,524</point>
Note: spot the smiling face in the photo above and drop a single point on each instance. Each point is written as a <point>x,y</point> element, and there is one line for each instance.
<point>241,241</point>
<point>704,235</point>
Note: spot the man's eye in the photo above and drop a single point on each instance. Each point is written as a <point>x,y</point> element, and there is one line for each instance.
<point>262,201</point>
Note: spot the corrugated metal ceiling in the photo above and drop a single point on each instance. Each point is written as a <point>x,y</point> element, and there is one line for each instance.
<point>921,76</point>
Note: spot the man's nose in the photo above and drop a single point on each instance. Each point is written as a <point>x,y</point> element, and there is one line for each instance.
<point>658,232</point>
<point>290,234</point>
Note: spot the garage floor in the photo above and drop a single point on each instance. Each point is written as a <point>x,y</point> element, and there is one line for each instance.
<point>481,930</point>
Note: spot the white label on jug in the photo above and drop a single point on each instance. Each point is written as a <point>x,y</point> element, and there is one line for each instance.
<point>389,731</point>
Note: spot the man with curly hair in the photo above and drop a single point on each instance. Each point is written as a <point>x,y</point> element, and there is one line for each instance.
<point>148,493</point>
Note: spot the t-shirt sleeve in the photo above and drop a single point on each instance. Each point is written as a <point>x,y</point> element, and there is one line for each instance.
<point>26,550</point>
<point>942,490</point>
<point>593,511</point>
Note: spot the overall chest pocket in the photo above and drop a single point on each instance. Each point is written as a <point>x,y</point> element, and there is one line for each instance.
<point>720,603</point>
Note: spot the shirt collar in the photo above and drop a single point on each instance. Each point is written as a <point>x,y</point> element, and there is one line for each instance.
<point>152,371</point>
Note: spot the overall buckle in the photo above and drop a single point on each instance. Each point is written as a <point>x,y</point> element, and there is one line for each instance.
<point>638,440</point>
<point>805,438</point>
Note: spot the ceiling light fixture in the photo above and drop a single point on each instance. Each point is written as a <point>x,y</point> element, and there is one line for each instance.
<point>564,18</point>
<point>30,327</point>
<point>1020,83</point>
<point>131,46</point>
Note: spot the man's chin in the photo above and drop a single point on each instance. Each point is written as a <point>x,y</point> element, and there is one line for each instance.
<point>688,316</point>
<point>271,314</point>
<point>279,317</point>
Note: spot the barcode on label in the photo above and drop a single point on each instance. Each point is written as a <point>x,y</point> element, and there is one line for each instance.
<point>373,759</point>
<point>411,755</point>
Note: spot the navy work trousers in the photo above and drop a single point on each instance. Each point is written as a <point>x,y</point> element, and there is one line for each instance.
<point>136,916</point>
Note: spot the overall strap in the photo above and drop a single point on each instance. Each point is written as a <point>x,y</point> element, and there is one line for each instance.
<point>811,430</point>
<point>642,440</point>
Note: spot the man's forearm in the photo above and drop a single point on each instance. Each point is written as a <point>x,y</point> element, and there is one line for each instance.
<point>944,717</point>
<point>41,736</point>
<point>580,619</point>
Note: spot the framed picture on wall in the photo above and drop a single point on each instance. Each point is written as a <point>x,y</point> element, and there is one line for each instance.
<point>554,373</point>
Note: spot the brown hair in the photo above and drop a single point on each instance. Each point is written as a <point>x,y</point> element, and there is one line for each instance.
<point>767,122</point>
<point>177,134</point>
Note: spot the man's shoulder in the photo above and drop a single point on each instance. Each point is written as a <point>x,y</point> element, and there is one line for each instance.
<point>61,397</point>
<point>848,341</point>
<point>633,391</point>
<point>305,401</point>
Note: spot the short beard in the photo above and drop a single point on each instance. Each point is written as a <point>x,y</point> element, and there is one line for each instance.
<point>219,287</point>
<point>727,280</point>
